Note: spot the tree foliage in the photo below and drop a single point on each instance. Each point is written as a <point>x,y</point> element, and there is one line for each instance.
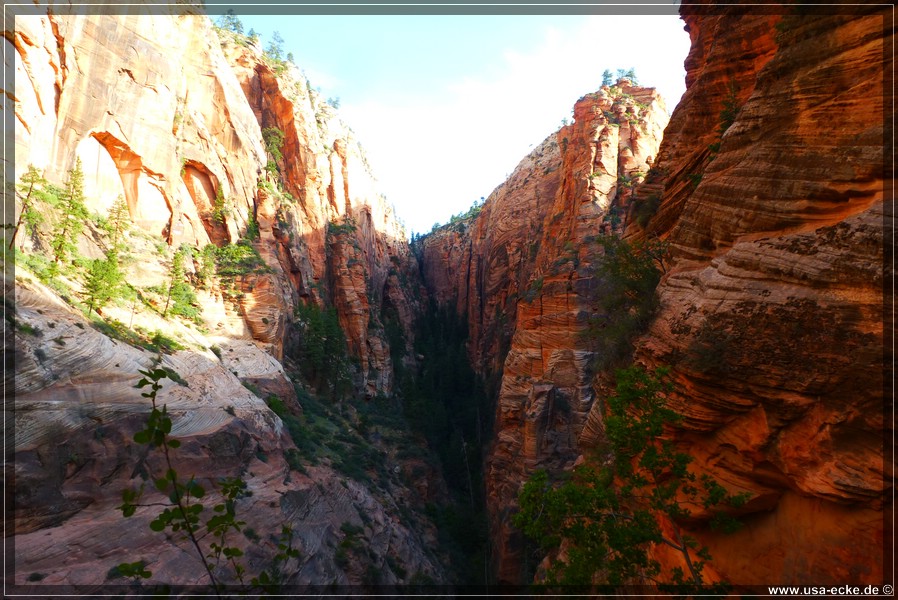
<point>181,299</point>
<point>181,519</point>
<point>274,141</point>
<point>275,49</point>
<point>628,274</point>
<point>73,215</point>
<point>104,281</point>
<point>322,351</point>
<point>29,215</point>
<point>628,74</point>
<point>117,224</point>
<point>230,22</point>
<point>607,514</point>
<point>221,207</point>
<point>447,403</point>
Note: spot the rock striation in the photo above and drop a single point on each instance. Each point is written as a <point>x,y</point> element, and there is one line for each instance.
<point>76,412</point>
<point>769,191</point>
<point>522,271</point>
<point>768,188</point>
<point>772,308</point>
<point>188,144</point>
<point>185,126</point>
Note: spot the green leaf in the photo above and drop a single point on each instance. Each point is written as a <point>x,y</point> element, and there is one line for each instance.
<point>196,489</point>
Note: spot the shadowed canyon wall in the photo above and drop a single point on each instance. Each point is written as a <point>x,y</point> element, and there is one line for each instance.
<point>522,271</point>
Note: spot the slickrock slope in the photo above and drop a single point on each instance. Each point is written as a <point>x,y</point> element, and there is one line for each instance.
<point>523,270</point>
<point>771,312</point>
<point>76,412</point>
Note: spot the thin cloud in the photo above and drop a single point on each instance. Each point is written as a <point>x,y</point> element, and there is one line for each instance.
<point>436,153</point>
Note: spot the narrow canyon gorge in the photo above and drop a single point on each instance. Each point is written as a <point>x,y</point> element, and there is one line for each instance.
<point>188,209</point>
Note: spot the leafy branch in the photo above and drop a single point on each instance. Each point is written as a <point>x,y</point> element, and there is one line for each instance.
<point>183,511</point>
<point>606,516</point>
<point>182,516</point>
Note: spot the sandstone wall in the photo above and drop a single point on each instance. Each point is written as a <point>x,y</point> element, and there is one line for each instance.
<point>522,272</point>
<point>772,309</point>
<point>170,134</point>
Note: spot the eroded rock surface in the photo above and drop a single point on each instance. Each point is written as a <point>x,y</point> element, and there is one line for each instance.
<point>771,313</point>
<point>522,271</point>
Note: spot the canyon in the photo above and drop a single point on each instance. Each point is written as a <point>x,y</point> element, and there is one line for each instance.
<point>765,188</point>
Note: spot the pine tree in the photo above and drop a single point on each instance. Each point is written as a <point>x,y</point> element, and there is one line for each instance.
<point>176,275</point>
<point>276,47</point>
<point>607,77</point>
<point>29,215</point>
<point>117,224</point>
<point>104,280</point>
<point>181,299</point>
<point>323,350</point>
<point>74,213</point>
<point>230,21</point>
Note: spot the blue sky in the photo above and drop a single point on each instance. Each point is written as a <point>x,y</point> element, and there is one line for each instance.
<point>446,106</point>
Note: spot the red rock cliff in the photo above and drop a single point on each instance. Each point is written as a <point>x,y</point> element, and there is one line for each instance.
<point>171,135</point>
<point>772,309</point>
<point>522,272</point>
<point>769,187</point>
<point>164,113</point>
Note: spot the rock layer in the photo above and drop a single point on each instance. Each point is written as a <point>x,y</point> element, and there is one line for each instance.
<point>178,138</point>
<point>522,271</point>
<point>772,309</point>
<point>179,125</point>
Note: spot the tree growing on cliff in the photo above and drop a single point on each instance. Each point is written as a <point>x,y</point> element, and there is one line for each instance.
<point>29,216</point>
<point>117,224</point>
<point>607,514</point>
<point>230,21</point>
<point>322,350</point>
<point>103,282</point>
<point>274,142</point>
<point>275,49</point>
<point>74,213</point>
<point>181,299</point>
<point>628,274</point>
<point>628,74</point>
<point>607,77</point>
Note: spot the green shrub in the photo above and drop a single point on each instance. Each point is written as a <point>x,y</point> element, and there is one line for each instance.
<point>628,274</point>
<point>607,516</point>
<point>236,260</point>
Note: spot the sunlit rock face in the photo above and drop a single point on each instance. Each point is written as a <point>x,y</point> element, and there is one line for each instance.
<point>522,272</point>
<point>163,113</point>
<point>772,310</point>
<point>174,120</point>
